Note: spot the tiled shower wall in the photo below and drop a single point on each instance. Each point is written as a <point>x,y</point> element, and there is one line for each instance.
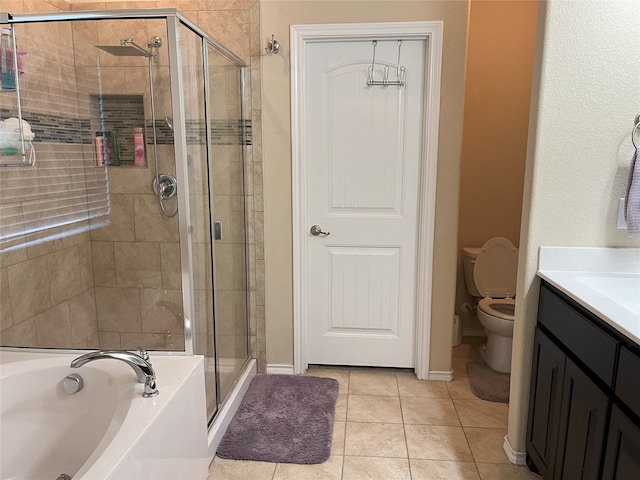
<point>236,25</point>
<point>135,258</point>
<point>46,289</point>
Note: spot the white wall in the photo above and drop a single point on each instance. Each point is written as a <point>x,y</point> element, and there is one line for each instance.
<point>586,94</point>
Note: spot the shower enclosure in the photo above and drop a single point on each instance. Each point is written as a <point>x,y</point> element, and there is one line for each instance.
<point>122,198</point>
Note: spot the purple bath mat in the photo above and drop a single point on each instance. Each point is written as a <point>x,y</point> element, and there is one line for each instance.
<point>283,419</point>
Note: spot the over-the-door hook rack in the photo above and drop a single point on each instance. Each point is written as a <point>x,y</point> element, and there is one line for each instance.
<point>273,46</point>
<point>385,82</point>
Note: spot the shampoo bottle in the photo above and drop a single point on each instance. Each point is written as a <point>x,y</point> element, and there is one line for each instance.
<point>138,148</point>
<point>99,147</point>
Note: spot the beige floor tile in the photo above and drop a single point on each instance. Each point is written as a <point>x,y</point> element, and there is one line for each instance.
<point>340,414</point>
<point>390,426</point>
<point>443,470</point>
<point>480,413</point>
<point>459,367</point>
<point>375,468</point>
<point>374,408</point>
<point>375,440</point>
<point>329,470</point>
<point>410,386</point>
<point>337,442</point>
<point>240,470</point>
<point>429,411</point>
<point>370,382</point>
<point>431,442</point>
<point>339,373</point>
<point>498,471</point>
<point>486,444</point>
<point>459,388</point>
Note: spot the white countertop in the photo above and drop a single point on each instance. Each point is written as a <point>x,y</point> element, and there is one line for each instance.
<point>606,281</point>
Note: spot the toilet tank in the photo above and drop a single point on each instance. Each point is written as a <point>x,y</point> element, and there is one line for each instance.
<point>469,255</point>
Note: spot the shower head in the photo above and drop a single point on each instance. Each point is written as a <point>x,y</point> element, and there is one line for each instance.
<point>129,48</point>
<point>124,51</point>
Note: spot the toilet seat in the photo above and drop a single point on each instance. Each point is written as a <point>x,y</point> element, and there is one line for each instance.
<point>491,306</point>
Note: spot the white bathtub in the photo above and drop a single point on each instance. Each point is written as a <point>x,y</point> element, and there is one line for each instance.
<point>107,430</point>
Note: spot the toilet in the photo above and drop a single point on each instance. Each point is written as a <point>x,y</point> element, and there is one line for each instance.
<point>490,274</point>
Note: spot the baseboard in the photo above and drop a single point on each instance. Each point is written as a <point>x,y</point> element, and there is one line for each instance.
<point>515,457</point>
<point>474,332</point>
<point>441,375</point>
<point>228,410</point>
<point>280,369</point>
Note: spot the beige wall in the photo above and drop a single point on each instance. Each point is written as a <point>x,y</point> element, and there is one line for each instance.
<point>277,16</point>
<point>500,55</point>
<point>578,154</point>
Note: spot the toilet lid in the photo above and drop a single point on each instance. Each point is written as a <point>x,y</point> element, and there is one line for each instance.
<point>496,268</point>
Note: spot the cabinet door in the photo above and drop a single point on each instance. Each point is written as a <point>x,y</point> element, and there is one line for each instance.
<point>622,460</point>
<point>544,406</point>
<point>582,429</point>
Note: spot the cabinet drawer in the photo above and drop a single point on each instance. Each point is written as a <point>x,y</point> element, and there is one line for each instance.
<point>628,380</point>
<point>590,344</point>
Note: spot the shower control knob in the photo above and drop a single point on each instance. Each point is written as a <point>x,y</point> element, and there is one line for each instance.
<point>316,230</point>
<point>72,383</point>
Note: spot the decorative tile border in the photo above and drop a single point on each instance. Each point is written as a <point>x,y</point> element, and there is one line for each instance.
<point>223,132</point>
<point>53,128</point>
<point>65,130</point>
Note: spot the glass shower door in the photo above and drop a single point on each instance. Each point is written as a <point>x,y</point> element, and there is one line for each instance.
<point>192,146</point>
<point>226,136</point>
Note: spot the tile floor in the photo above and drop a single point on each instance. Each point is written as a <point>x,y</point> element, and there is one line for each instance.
<point>391,426</point>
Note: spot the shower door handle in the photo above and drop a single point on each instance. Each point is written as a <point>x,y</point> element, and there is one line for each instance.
<point>316,230</point>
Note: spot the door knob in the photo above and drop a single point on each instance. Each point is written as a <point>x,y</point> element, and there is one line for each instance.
<point>316,230</point>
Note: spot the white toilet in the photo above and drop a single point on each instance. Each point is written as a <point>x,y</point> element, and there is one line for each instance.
<point>490,273</point>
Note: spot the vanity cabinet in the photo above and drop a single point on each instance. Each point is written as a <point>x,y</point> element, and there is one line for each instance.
<point>584,409</point>
<point>622,458</point>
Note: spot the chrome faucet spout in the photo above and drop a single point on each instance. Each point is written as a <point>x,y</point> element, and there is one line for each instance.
<point>141,366</point>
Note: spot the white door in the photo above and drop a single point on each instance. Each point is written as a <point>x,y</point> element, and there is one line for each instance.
<point>362,166</point>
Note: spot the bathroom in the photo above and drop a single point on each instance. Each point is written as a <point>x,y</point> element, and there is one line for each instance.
<point>547,219</point>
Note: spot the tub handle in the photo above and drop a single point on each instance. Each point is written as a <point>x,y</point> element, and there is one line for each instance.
<point>142,353</point>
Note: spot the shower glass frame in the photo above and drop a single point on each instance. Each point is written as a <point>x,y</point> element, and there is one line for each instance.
<point>174,20</point>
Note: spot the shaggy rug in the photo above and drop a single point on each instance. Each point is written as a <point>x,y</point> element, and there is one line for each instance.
<point>488,384</point>
<point>283,419</point>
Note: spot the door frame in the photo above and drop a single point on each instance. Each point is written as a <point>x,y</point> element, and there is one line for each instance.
<point>300,35</point>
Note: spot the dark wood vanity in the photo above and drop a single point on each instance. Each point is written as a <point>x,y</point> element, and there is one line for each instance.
<point>584,407</point>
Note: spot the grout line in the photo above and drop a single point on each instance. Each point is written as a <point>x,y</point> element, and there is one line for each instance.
<point>465,433</point>
<point>404,430</point>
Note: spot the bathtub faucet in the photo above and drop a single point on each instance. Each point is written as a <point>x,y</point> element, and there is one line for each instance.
<point>138,361</point>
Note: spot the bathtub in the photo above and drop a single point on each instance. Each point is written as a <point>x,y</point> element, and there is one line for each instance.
<point>107,430</point>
